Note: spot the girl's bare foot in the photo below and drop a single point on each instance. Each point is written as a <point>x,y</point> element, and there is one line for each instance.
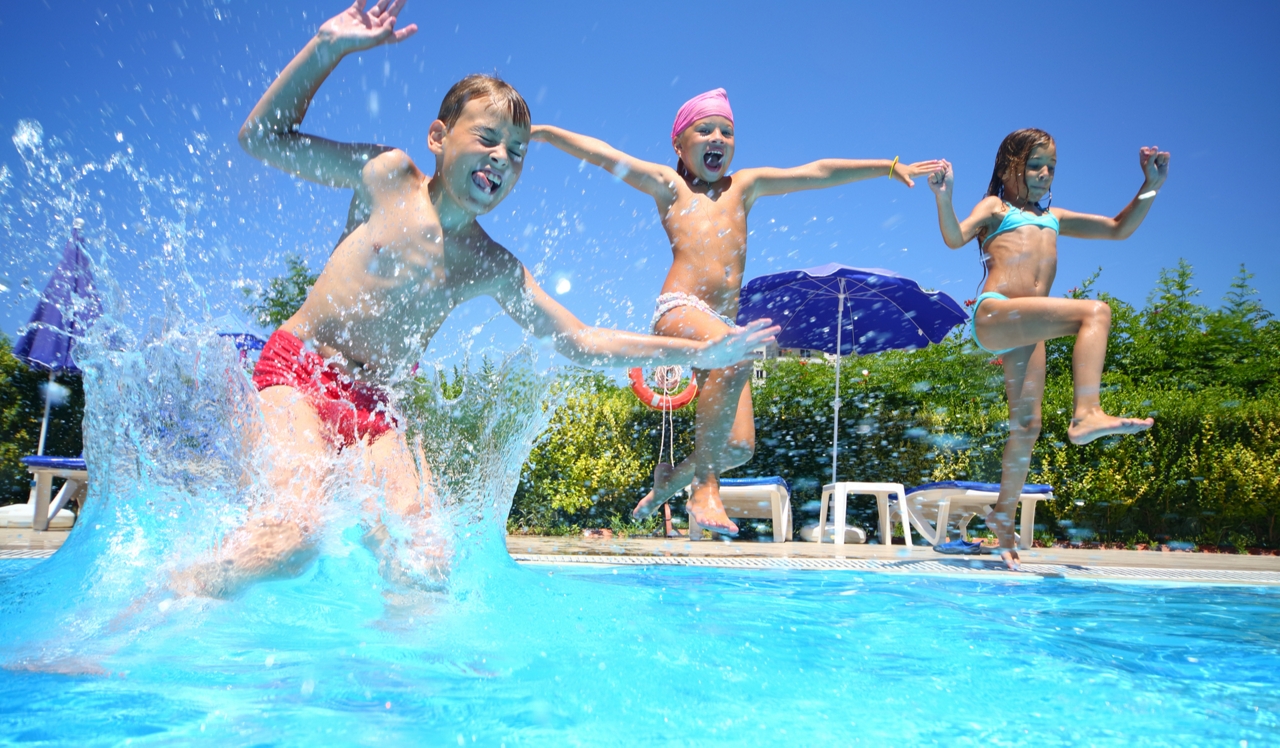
<point>660,494</point>
<point>1087,428</point>
<point>704,507</point>
<point>1010,558</point>
<point>648,505</point>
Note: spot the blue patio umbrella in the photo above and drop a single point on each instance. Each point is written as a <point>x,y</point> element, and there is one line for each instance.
<point>842,310</point>
<point>234,329</point>
<point>66,309</point>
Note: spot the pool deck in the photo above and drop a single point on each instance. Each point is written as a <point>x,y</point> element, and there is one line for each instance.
<point>1065,563</point>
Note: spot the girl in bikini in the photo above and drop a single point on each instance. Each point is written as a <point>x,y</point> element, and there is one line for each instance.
<point>704,210</point>
<point>1014,315</point>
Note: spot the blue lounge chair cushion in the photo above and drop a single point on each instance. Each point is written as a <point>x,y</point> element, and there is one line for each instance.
<point>967,485</point>
<point>54,463</point>
<point>771,480</point>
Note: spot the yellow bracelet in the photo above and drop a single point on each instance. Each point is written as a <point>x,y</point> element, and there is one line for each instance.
<point>895,163</point>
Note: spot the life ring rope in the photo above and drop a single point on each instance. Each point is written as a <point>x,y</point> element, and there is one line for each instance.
<point>655,401</point>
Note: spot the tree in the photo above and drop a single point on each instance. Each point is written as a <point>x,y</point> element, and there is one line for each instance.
<point>1242,340</point>
<point>284,294</point>
<point>21,409</point>
<point>1242,301</point>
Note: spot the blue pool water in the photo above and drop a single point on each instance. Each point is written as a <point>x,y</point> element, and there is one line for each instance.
<point>543,655</point>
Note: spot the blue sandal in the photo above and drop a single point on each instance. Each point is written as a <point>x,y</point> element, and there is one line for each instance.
<point>959,547</point>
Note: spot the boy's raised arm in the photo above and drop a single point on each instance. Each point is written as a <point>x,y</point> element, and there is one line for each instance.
<point>652,179</point>
<point>522,298</point>
<point>1155,169</point>
<point>830,172</point>
<point>270,134</point>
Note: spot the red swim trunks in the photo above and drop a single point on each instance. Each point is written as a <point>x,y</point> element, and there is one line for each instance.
<point>353,410</point>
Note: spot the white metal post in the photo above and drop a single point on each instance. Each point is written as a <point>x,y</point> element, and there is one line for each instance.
<point>835,426</point>
<point>44,425</point>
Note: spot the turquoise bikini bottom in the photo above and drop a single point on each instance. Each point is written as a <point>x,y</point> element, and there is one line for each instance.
<point>973,329</point>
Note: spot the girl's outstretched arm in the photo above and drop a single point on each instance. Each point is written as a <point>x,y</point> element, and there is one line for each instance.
<point>1155,168</point>
<point>830,172</point>
<point>514,288</point>
<point>957,233</point>
<point>655,180</point>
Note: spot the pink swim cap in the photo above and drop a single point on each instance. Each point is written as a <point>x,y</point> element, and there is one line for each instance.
<point>709,104</point>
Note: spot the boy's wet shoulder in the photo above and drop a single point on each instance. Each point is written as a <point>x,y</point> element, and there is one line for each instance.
<point>390,164</point>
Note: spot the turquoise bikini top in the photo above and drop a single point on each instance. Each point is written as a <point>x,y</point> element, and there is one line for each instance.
<point>1017,218</point>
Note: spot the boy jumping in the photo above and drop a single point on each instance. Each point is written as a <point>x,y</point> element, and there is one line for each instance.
<point>411,251</point>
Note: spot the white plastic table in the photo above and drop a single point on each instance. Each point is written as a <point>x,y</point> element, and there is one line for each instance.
<point>838,494</point>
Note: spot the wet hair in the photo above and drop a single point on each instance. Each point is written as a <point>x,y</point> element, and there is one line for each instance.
<point>681,169</point>
<point>1012,157</point>
<point>504,97</point>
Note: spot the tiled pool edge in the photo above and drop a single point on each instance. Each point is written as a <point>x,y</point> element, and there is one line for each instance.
<point>974,568</point>
<point>6,554</point>
<point>940,567</point>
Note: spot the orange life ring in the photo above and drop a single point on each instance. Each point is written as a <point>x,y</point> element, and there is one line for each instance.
<point>660,402</point>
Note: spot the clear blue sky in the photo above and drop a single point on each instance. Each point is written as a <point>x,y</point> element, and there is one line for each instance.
<point>807,80</point>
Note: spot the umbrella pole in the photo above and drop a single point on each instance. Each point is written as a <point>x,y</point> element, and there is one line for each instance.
<point>835,423</point>
<point>44,424</point>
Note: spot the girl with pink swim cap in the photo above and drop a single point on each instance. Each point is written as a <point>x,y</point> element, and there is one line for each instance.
<point>704,210</point>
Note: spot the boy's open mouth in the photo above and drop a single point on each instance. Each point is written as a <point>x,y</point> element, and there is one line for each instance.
<point>487,181</point>
<point>713,159</point>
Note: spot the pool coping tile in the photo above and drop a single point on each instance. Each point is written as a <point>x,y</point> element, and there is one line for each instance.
<point>1148,567</point>
<point>921,567</point>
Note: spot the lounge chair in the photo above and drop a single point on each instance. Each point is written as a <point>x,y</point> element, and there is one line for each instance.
<point>40,512</point>
<point>939,500</point>
<point>755,498</point>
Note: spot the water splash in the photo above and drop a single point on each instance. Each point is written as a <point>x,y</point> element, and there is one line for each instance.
<point>175,438</point>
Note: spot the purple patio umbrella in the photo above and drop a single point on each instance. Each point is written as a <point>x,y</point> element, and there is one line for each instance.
<point>67,308</point>
<point>842,310</point>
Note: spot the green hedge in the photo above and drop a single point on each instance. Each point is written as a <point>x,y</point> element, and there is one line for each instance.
<point>1208,472</point>
<point>21,408</point>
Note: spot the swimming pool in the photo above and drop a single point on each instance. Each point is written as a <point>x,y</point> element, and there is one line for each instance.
<point>596,655</point>
<point>94,653</point>
<point>96,650</point>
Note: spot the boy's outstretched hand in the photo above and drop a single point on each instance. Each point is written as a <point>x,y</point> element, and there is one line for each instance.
<point>736,345</point>
<point>904,172</point>
<point>943,181</point>
<point>355,29</point>
<point>1155,166</point>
